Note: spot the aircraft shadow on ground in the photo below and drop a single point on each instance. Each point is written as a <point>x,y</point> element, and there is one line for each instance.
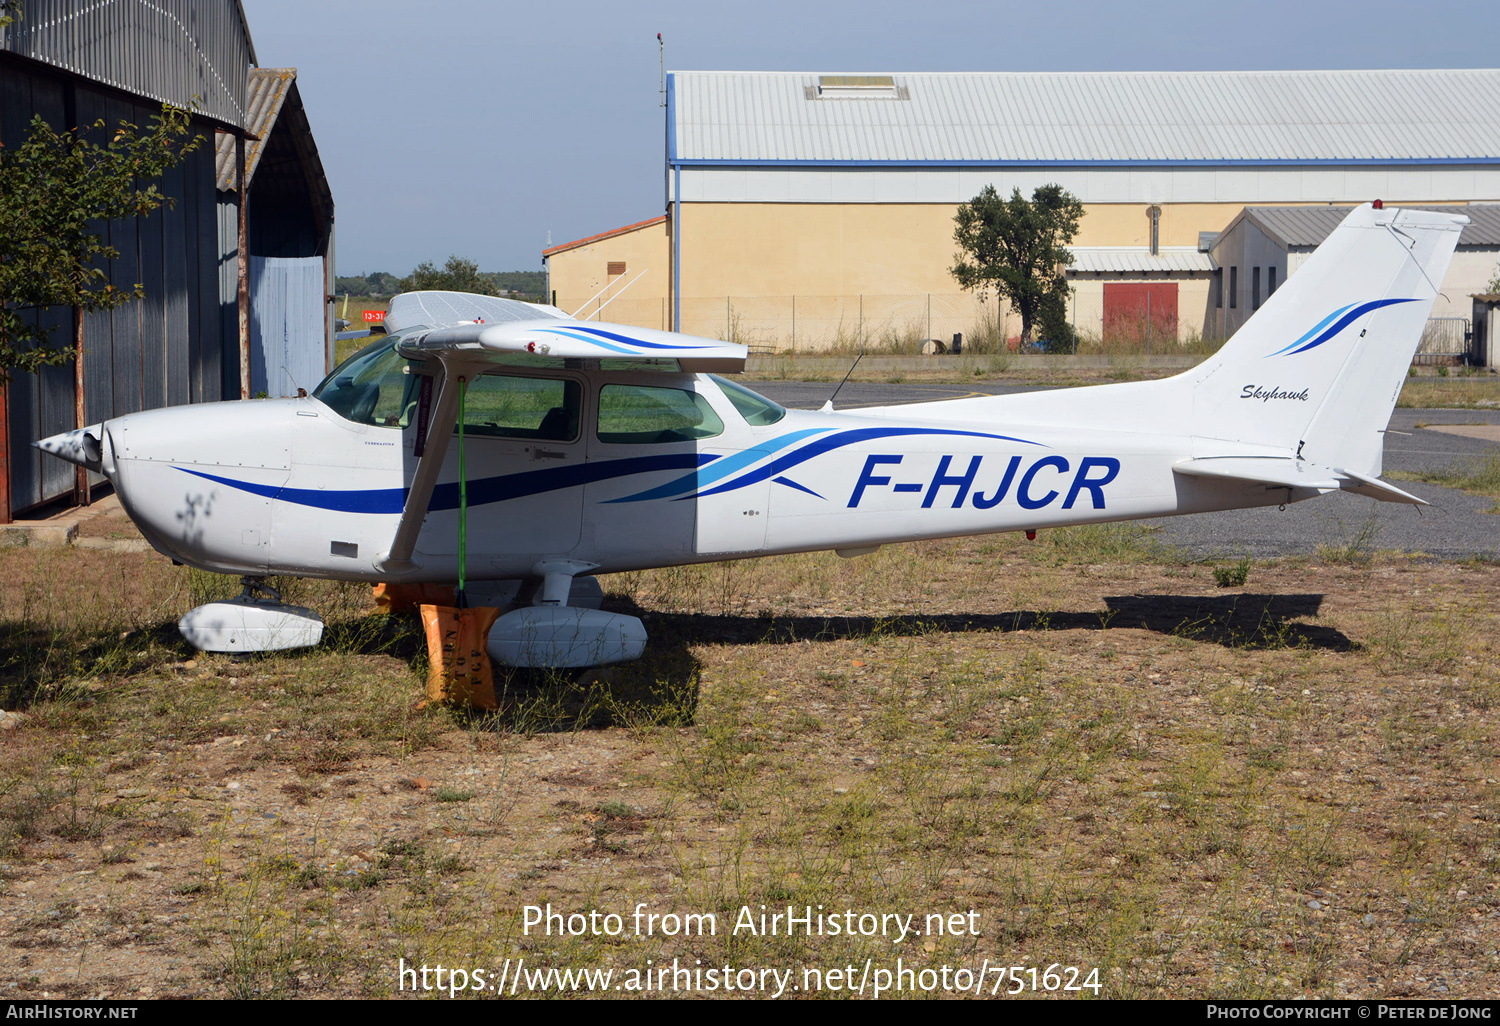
<point>1234,621</point>
<point>662,687</point>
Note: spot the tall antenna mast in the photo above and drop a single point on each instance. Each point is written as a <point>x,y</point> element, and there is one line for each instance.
<point>661,56</point>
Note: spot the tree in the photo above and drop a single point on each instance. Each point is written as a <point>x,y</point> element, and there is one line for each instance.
<point>457,275</point>
<point>55,190</point>
<point>1018,249</point>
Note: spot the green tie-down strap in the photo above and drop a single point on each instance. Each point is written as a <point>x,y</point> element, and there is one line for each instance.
<point>463,497</point>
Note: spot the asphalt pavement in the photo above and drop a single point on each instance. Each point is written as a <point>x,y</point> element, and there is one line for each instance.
<point>1455,526</point>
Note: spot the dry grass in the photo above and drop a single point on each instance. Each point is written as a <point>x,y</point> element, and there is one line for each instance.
<point>1423,391</point>
<point>1478,477</point>
<point>1478,392</point>
<point>1284,789</point>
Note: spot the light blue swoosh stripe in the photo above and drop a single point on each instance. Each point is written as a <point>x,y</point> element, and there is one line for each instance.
<point>722,467</point>
<point>636,341</point>
<point>590,340</point>
<point>819,446</point>
<point>1325,322</point>
<point>1348,319</point>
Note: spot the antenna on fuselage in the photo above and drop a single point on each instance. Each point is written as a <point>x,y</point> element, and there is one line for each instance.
<point>828,406</point>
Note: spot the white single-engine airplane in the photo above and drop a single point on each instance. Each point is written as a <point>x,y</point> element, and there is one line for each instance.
<point>591,448</point>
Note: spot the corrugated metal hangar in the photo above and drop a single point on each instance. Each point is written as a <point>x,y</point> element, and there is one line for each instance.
<point>203,331</point>
<point>801,191</point>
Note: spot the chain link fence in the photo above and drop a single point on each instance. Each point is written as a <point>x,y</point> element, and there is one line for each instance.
<point>821,324</point>
<point>1445,342</point>
<point>901,324</point>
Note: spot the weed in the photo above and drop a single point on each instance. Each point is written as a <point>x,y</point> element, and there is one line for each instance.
<point>1233,576</point>
<point>1356,549</point>
<point>1408,639</point>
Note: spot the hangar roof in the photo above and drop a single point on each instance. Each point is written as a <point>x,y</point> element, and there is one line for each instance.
<point>1306,227</point>
<point>267,93</point>
<point>1085,118</point>
<point>1138,260</point>
<point>189,53</point>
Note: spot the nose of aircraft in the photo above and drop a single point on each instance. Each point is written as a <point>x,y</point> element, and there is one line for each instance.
<point>85,446</point>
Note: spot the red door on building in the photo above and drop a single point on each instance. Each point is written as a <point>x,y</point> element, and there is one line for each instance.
<point>1140,313</point>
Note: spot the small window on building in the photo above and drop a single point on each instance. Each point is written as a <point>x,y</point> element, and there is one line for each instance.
<point>1218,288</point>
<point>1255,288</point>
<point>1270,280</point>
<point>643,414</point>
<point>1234,288</point>
<point>616,267</point>
<point>857,87</point>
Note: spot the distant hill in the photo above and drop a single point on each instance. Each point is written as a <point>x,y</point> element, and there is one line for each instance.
<point>527,284</point>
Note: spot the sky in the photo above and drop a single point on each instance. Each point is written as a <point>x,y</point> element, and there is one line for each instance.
<point>485,129</point>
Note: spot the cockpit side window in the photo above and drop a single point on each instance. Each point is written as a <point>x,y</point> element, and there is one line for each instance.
<point>375,386</point>
<point>642,414</point>
<point>757,410</point>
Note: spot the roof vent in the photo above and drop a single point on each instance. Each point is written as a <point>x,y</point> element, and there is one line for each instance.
<point>857,87</point>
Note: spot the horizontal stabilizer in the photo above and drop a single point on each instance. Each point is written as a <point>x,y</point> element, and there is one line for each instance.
<point>1272,471</point>
<point>1378,489</point>
<point>1289,472</point>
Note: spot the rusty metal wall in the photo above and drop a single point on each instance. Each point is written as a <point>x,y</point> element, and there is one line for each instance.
<point>189,53</point>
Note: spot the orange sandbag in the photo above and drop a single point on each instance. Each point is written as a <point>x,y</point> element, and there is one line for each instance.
<point>405,598</point>
<point>460,667</point>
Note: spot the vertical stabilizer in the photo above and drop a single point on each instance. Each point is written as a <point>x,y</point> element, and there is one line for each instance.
<point>1317,369</point>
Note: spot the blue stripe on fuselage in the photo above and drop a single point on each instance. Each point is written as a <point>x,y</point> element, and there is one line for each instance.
<point>482,491</point>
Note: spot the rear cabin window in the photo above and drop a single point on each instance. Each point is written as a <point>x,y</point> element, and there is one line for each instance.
<point>642,415</point>
<point>500,406</point>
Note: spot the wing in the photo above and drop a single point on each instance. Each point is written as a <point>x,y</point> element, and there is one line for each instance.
<point>460,321</point>
<point>441,309</point>
<point>571,339</point>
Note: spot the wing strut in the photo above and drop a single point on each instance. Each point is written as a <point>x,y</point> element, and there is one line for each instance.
<point>429,465</point>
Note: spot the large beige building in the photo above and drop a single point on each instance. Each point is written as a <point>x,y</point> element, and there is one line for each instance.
<point>806,211</point>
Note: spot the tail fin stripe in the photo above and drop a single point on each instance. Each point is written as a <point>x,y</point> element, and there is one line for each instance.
<point>1348,319</point>
<point>1325,322</point>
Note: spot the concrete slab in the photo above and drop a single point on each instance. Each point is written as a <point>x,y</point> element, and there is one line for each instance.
<point>1483,432</point>
<point>46,533</point>
<point>60,528</point>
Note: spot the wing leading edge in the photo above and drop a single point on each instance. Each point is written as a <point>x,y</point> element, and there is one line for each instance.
<point>589,340</point>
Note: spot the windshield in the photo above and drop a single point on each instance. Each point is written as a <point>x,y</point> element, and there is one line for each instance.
<point>757,410</point>
<point>376,385</point>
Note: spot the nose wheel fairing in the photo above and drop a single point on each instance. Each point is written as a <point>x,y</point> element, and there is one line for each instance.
<point>254,621</point>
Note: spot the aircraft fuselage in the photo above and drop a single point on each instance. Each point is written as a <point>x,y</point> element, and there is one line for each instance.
<point>292,487</point>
